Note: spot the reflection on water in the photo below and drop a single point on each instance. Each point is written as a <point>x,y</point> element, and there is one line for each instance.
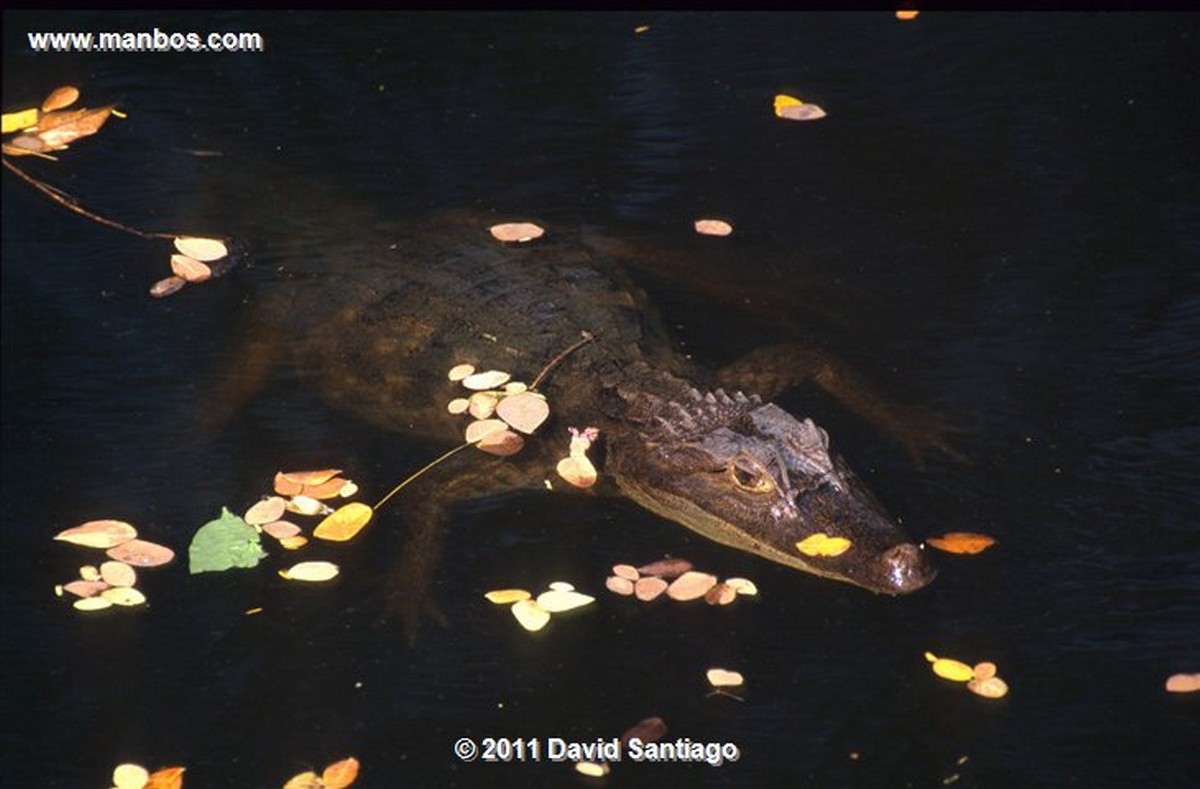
<point>998,219</point>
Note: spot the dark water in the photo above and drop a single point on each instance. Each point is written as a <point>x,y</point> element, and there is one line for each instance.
<point>997,220</point>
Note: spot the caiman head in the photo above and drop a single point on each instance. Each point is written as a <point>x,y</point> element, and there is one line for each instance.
<point>750,475</point>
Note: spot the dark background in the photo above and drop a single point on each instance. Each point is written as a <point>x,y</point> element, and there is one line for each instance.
<point>997,220</point>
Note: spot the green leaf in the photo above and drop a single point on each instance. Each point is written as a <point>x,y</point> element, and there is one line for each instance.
<point>224,543</point>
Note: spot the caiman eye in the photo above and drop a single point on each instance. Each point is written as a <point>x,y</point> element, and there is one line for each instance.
<point>750,475</point>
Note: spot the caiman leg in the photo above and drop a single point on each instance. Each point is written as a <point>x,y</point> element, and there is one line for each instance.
<point>426,505</point>
<point>774,369</point>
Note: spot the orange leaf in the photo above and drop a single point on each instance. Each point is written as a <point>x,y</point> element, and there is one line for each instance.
<point>190,269</point>
<point>713,227</point>
<point>962,542</point>
<point>60,98</point>
<point>328,489</point>
<point>340,774</point>
<point>345,522</point>
<point>309,477</point>
<point>99,534</point>
<point>286,486</point>
<point>166,778</point>
<point>516,231</point>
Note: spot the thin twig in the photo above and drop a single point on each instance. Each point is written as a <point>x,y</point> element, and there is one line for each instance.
<point>71,204</point>
<point>425,468</point>
<point>550,365</point>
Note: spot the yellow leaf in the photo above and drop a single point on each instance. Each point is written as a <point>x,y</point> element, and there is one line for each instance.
<point>306,780</point>
<point>460,371</point>
<point>340,774</point>
<point>506,596</point>
<point>130,776</point>
<point>783,100</point>
<point>99,534</point>
<point>310,571</point>
<point>16,121</point>
<point>821,544</point>
<point>948,668</point>
<point>344,522</point>
<point>531,615</point>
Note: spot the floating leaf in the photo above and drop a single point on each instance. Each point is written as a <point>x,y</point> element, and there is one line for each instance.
<point>165,287</point>
<point>691,585</point>
<point>515,387</point>
<point>345,522</point>
<point>59,129</point>
<point>123,595</point>
<point>641,29</point>
<point>189,269</point>
<point>524,411</point>
<point>141,553</point>
<point>268,510</point>
<point>293,543</point>
<point>592,769</point>
<point>488,379</point>
<point>531,615</point>
<point>506,596</point>
<point>962,542</point>
<point>329,489</point>
<point>713,227</point>
<point>89,573</point>
<point>85,588</point>
<point>794,109</point>
<point>477,430</point>
<point>95,603</point>
<point>340,774</point>
<point>310,571</point>
<point>98,534</point>
<point>223,543</point>
<point>286,486</point>
<point>458,405</point>
<point>482,405</point>
<point>305,505</point>
<point>742,586</point>
<point>577,470</point>
<point>647,730</point>
<point>619,585</point>
<point>906,14</point>
<point>309,477</point>
<point>59,98</point>
<point>460,371</point>
<point>16,121</point>
<point>501,442</point>
<point>348,489</point>
<point>130,776</point>
<point>281,530</point>
<point>562,586</point>
<point>1183,683</point>
<point>990,688</point>
<point>721,594</point>
<point>206,250</point>
<point>666,568</point>
<point>648,588</point>
<point>516,231</point>
<point>950,669</point>
<point>558,600</point>
<point>117,573</point>
<point>626,571</point>
<point>984,670</point>
<point>305,780</point>
<point>724,678</point>
<point>166,778</point>
<point>821,544</point>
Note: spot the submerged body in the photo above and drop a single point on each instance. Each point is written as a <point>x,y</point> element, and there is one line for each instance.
<point>380,336</point>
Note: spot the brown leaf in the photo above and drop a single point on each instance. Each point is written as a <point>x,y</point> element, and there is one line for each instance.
<point>666,568</point>
<point>501,442</point>
<point>524,411</point>
<point>167,286</point>
<point>648,730</point>
<point>85,588</point>
<point>340,774</point>
<point>58,129</point>
<point>649,587</point>
<point>141,553</point>
<point>60,98</point>
<point>691,585</point>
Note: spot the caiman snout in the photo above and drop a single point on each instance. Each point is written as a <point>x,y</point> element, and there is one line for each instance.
<point>905,568</point>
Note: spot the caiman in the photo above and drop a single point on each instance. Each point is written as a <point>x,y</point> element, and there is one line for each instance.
<point>707,450</point>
